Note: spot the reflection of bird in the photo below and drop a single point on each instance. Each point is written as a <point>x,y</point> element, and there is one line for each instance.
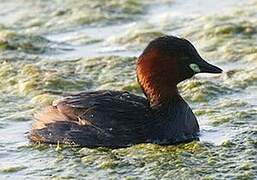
<point>118,119</point>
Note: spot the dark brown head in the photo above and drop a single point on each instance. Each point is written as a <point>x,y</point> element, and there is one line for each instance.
<point>165,62</point>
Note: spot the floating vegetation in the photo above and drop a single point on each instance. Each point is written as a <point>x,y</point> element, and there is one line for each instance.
<point>32,44</point>
<point>137,37</point>
<point>59,15</point>
<point>58,49</point>
<point>199,90</point>
<point>12,169</point>
<point>230,35</point>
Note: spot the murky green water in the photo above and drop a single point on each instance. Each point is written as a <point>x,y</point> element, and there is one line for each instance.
<point>48,48</point>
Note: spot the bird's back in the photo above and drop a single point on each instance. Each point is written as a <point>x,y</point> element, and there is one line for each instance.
<point>101,118</point>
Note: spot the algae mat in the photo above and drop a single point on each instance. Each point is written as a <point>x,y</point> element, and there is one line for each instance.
<point>49,48</point>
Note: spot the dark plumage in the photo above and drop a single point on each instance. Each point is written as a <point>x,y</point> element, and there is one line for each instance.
<point>118,119</point>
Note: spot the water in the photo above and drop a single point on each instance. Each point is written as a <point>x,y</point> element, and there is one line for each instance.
<point>48,48</point>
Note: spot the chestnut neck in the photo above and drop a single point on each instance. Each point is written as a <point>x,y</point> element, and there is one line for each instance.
<point>158,77</point>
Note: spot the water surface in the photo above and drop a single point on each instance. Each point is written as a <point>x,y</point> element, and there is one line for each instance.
<point>48,48</point>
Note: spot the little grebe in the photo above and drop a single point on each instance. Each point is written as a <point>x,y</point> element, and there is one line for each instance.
<point>119,119</point>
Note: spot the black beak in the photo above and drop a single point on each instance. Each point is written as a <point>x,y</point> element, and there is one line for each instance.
<point>208,68</point>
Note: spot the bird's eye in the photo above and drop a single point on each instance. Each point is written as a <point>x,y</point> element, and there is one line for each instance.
<point>195,68</point>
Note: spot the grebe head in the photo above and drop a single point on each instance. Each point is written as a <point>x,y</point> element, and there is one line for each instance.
<point>164,63</point>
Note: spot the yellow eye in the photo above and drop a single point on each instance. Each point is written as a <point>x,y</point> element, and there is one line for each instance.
<point>195,68</point>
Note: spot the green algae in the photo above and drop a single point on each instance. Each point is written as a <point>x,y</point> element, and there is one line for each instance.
<point>12,169</point>
<point>237,118</point>
<point>231,35</point>
<point>62,177</point>
<point>107,165</point>
<point>133,87</point>
<point>10,40</point>
<point>241,78</point>
<point>199,90</point>
<point>222,102</point>
<point>227,111</point>
<point>82,39</point>
<point>224,28</point>
<point>44,99</point>
<point>99,66</point>
<point>163,161</point>
<point>43,81</point>
<point>229,30</point>
<point>58,15</point>
<point>137,37</point>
